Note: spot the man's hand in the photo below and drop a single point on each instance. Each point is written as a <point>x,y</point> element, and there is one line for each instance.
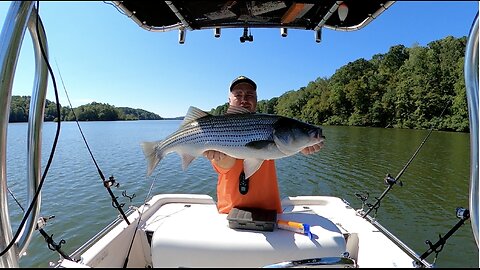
<point>312,149</point>
<point>221,159</point>
<point>214,155</point>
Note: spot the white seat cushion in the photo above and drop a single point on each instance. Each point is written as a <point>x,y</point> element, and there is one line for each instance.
<point>196,235</point>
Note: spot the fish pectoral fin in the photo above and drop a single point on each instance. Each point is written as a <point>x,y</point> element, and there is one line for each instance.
<point>250,166</point>
<point>259,144</point>
<point>282,146</point>
<point>186,160</point>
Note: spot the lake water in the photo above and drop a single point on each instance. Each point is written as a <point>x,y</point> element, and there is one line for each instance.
<point>354,160</point>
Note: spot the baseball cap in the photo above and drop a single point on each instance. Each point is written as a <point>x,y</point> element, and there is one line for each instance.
<point>243,79</point>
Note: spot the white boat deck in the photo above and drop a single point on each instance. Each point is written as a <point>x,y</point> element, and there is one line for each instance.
<point>185,230</point>
<point>366,243</point>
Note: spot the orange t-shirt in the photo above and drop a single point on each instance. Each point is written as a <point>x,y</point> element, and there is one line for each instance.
<point>262,188</point>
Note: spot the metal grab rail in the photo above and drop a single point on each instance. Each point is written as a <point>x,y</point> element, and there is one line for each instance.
<point>326,262</point>
<point>471,85</point>
<point>19,17</point>
<point>35,124</point>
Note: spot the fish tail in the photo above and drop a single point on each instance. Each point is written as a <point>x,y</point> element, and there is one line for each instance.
<point>151,155</point>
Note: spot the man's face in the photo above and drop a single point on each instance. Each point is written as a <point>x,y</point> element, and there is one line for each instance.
<point>243,95</point>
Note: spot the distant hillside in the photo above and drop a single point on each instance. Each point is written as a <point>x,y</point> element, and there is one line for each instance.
<point>138,114</point>
<point>90,112</point>
<point>421,87</point>
<point>174,118</point>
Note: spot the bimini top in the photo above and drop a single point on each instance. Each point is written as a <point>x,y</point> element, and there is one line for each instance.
<point>306,15</point>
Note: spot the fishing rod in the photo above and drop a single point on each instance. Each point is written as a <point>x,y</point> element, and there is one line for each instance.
<point>52,245</point>
<point>461,213</point>
<point>111,180</point>
<point>390,181</point>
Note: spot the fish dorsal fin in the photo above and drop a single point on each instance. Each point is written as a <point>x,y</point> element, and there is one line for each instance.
<point>193,114</point>
<point>237,110</point>
<point>250,166</point>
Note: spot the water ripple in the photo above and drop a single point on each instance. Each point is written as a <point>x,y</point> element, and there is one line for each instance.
<point>353,160</point>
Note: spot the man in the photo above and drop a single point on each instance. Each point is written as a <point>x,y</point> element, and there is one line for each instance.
<point>261,189</point>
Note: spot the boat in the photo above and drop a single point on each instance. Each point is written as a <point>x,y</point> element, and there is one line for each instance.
<point>186,230</point>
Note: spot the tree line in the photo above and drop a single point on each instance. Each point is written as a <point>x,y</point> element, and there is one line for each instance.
<point>94,111</point>
<point>403,88</point>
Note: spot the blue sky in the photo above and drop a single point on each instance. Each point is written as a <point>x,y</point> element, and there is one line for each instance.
<point>104,56</point>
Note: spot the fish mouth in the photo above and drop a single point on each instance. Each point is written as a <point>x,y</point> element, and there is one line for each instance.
<point>317,135</point>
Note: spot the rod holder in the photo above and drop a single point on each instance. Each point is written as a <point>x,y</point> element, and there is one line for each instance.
<point>318,35</point>
<point>181,35</point>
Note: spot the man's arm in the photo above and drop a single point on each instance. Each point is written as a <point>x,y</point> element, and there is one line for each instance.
<point>220,159</point>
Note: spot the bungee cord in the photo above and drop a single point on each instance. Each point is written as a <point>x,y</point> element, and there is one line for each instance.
<point>107,183</point>
<point>54,145</point>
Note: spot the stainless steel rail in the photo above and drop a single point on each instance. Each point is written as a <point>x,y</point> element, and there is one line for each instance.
<point>35,124</point>
<point>417,261</point>
<point>20,16</point>
<point>326,262</point>
<point>328,15</point>
<point>471,84</point>
<point>365,22</point>
<point>142,24</point>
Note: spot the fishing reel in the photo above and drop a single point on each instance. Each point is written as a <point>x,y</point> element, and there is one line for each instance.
<point>111,182</point>
<point>246,36</point>
<point>42,222</point>
<point>462,213</point>
<point>390,181</point>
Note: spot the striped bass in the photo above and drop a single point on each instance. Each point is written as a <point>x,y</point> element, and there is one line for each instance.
<point>253,137</point>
